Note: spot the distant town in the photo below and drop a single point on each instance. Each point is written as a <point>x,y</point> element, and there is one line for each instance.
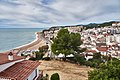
<point>105,40</point>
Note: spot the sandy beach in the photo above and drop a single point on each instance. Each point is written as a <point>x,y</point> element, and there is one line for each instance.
<point>34,45</point>
<point>66,70</point>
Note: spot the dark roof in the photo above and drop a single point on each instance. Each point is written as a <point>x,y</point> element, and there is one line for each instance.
<point>4,58</point>
<point>20,70</point>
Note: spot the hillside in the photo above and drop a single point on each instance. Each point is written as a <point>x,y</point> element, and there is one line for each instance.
<point>66,70</point>
<point>90,25</point>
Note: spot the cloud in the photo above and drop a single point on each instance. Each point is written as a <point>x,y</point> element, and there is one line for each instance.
<point>44,13</point>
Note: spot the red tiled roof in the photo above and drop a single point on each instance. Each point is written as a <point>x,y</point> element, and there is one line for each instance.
<point>91,51</point>
<point>4,58</point>
<point>104,49</point>
<point>20,70</point>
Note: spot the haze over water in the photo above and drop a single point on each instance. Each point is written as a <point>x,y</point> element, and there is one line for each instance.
<point>14,37</point>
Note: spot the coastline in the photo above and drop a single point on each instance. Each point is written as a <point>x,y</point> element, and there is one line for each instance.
<point>34,45</point>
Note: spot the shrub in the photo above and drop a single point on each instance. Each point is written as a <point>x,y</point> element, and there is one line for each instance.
<point>106,71</point>
<point>39,56</point>
<point>32,58</point>
<point>80,59</point>
<point>46,58</point>
<point>55,76</point>
<point>45,77</point>
<point>97,56</point>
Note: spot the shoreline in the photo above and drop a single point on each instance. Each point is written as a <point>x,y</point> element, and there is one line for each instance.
<point>33,45</point>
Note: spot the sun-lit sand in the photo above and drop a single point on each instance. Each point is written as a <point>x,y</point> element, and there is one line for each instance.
<point>66,70</point>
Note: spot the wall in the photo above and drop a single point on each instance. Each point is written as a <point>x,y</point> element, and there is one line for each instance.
<point>33,75</point>
<point>5,66</point>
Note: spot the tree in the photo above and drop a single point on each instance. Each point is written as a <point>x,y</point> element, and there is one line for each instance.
<point>43,48</point>
<point>109,71</point>
<point>55,76</point>
<point>79,59</point>
<point>66,43</point>
<point>39,54</point>
<point>95,61</point>
<point>97,56</point>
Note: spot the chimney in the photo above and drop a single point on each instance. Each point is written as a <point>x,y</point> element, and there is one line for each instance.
<point>10,56</point>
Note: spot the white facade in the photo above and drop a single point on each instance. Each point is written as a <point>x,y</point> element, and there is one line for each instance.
<point>117,38</point>
<point>103,53</point>
<point>10,57</point>
<point>88,57</point>
<point>109,39</point>
<point>34,74</point>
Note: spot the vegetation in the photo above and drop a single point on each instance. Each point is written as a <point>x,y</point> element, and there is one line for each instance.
<point>79,59</point>
<point>106,71</point>
<point>43,48</point>
<point>106,68</point>
<point>46,77</point>
<point>97,56</point>
<point>66,43</point>
<point>55,76</point>
<point>47,58</point>
<point>98,25</point>
<point>39,54</point>
<point>96,60</point>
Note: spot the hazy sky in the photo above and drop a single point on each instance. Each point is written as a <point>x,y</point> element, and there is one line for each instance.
<point>47,13</point>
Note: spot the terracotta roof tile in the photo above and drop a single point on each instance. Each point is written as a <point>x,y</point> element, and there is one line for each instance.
<point>4,58</point>
<point>20,70</point>
<point>104,49</point>
<point>91,51</point>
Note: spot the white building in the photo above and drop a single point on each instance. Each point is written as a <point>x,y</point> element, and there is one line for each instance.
<point>117,24</point>
<point>117,38</point>
<point>110,39</point>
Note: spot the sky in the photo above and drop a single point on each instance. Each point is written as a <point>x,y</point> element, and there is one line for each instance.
<point>47,13</point>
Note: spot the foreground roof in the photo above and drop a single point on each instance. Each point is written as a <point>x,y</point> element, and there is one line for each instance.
<point>4,58</point>
<point>20,70</point>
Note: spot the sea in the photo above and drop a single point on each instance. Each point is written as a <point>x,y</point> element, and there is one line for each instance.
<point>14,37</point>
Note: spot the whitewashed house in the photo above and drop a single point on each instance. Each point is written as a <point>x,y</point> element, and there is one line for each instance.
<point>13,67</point>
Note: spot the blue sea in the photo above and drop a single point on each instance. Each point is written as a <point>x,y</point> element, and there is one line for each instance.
<point>14,37</point>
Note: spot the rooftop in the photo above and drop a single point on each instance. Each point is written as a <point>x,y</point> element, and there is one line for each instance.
<point>104,49</point>
<point>93,51</point>
<point>20,70</point>
<point>4,58</point>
